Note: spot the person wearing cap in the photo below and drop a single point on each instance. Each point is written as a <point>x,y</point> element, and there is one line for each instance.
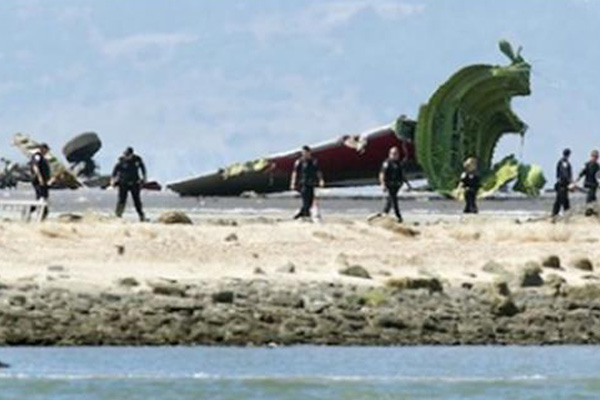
<point>305,176</point>
<point>470,182</point>
<point>391,178</point>
<point>41,176</point>
<point>591,173</point>
<point>126,177</point>
<point>564,180</point>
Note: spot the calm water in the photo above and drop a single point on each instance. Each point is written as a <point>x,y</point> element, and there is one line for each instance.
<point>301,373</point>
<point>297,373</point>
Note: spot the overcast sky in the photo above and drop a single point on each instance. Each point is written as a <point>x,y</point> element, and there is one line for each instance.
<point>193,85</point>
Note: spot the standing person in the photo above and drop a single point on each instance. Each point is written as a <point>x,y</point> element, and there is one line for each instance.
<point>564,179</point>
<point>470,182</point>
<point>126,176</point>
<point>305,176</point>
<point>40,176</point>
<point>591,173</point>
<point>391,178</point>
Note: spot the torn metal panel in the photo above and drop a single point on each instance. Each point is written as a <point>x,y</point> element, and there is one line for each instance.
<point>465,117</point>
<point>244,168</point>
<point>12,173</point>
<point>351,160</point>
<point>83,170</point>
<point>61,175</point>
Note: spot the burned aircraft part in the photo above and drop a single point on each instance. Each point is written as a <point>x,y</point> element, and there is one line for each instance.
<point>465,117</point>
<point>61,176</point>
<point>80,151</point>
<point>347,161</point>
<point>100,182</point>
<point>152,186</point>
<point>82,147</point>
<point>11,174</point>
<point>530,180</point>
<point>83,170</point>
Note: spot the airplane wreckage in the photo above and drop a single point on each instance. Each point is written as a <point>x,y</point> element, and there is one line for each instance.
<point>82,171</point>
<point>465,117</point>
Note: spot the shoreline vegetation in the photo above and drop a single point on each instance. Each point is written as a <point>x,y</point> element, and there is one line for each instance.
<point>93,280</point>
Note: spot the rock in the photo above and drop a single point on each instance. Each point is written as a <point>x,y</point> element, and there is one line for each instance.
<point>406,231</point>
<point>174,217</point>
<point>590,277</point>
<point>287,299</point>
<point>17,300</point>
<point>232,237</point>
<point>551,262</point>
<point>390,321</point>
<point>467,285</point>
<point>225,222</point>
<point>530,276</point>
<point>584,264</point>
<point>493,267</point>
<point>501,288</point>
<point>128,282</point>
<point>375,297</point>
<point>555,281</point>
<point>70,217</point>
<point>431,284</point>
<point>55,268</point>
<point>356,271</point>
<point>585,293</point>
<point>316,306</point>
<point>392,225</point>
<point>168,289</point>
<point>80,304</point>
<point>26,287</point>
<point>504,307</point>
<point>110,297</point>
<point>288,268</point>
<point>225,296</point>
<point>259,271</point>
<point>592,211</point>
<point>120,249</point>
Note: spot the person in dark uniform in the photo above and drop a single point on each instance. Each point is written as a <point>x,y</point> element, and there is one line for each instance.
<point>470,182</point>
<point>391,178</point>
<point>564,180</point>
<point>41,176</point>
<point>126,176</point>
<point>591,173</point>
<point>305,176</point>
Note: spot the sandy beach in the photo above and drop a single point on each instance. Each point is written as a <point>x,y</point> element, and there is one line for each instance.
<point>345,280</point>
<point>94,253</point>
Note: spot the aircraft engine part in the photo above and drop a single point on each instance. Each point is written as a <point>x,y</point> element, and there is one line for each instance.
<point>82,147</point>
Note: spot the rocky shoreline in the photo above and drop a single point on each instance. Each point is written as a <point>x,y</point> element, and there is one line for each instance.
<point>261,312</point>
